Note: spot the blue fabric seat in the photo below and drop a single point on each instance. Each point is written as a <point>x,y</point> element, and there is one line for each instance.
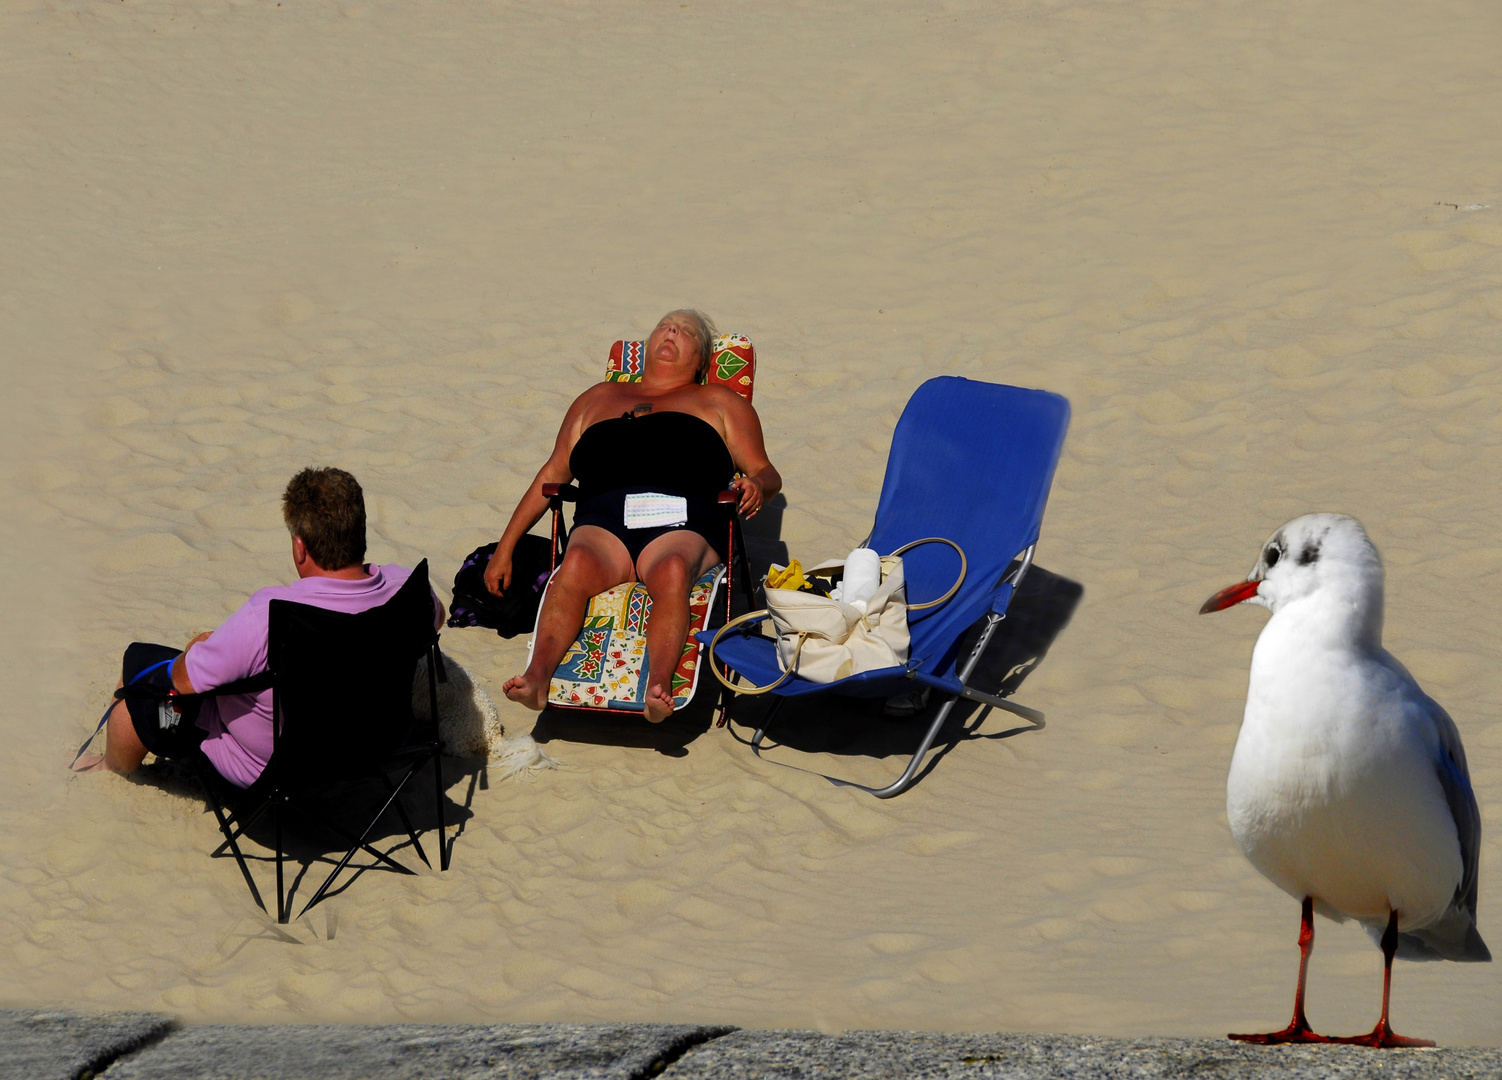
<point>971,462</point>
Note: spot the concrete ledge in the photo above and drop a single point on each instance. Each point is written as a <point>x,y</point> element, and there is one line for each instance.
<point>410,1051</point>
<point>38,1045</point>
<point>879,1055</point>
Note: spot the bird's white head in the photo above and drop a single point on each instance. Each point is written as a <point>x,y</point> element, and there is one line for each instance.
<point>1323,560</point>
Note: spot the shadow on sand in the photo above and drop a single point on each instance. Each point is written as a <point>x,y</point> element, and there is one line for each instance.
<point>852,727</point>
<point>312,850</point>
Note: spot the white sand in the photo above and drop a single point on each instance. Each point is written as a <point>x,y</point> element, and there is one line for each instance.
<point>241,238</point>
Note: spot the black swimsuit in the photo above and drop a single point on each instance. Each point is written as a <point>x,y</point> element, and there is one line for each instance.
<point>671,453</point>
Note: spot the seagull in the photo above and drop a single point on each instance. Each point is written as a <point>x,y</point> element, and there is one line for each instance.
<point>1348,787</point>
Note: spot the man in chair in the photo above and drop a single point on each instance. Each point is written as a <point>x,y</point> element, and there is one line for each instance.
<point>325,512</point>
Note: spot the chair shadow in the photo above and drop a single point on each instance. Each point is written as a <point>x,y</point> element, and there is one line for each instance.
<point>854,727</point>
<point>631,729</point>
<point>763,533</point>
<point>306,845</point>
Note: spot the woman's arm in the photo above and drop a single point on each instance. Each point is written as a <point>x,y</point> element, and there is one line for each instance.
<point>534,504</point>
<point>743,438</point>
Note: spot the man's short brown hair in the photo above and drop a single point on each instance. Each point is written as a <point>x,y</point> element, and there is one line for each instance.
<point>326,508</point>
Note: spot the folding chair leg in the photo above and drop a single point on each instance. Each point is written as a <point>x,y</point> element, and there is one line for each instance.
<point>360,844</point>
<point>443,846</point>
<point>902,783</point>
<point>229,838</point>
<point>401,812</point>
<point>281,895</point>
<point>971,694</point>
<point>435,657</point>
<point>766,722</point>
<point>898,786</point>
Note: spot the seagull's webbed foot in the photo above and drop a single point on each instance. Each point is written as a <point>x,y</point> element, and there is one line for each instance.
<point>1381,1037</point>
<point>1296,1032</point>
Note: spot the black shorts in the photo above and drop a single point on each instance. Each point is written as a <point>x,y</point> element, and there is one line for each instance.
<point>163,730</point>
<point>608,511</point>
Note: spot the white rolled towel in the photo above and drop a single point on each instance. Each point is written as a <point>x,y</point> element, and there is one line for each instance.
<point>862,577</point>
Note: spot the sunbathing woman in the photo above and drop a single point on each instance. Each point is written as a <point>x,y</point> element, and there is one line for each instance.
<point>666,435</point>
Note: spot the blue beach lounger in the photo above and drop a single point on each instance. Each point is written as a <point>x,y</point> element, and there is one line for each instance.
<point>971,462</point>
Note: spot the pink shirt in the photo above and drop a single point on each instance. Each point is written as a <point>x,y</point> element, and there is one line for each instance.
<point>239,726</point>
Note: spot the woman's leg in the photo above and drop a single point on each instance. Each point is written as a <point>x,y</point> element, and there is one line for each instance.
<point>595,561</point>
<point>668,567</point>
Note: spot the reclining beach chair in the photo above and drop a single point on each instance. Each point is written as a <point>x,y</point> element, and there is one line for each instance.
<point>606,669</point>
<point>971,462</point>
<point>342,716</point>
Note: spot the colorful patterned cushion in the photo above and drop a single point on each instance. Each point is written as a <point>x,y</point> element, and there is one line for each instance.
<point>607,667</point>
<point>734,363</point>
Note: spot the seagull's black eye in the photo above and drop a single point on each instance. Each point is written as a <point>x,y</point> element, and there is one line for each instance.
<point>1272,555</point>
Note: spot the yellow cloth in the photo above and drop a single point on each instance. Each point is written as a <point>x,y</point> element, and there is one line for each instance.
<point>789,577</point>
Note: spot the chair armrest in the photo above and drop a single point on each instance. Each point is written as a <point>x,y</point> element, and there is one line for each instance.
<point>566,492</point>
<point>728,497</point>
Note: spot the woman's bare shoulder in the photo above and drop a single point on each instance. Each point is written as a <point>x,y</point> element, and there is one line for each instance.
<point>728,401</point>
<point>599,395</point>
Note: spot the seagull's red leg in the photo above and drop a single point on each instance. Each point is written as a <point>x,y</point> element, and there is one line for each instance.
<point>1382,1034</point>
<point>1298,1030</point>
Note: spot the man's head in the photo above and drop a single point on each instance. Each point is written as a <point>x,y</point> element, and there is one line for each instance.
<point>325,509</point>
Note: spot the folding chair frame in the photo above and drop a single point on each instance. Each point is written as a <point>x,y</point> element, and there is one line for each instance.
<point>969,693</point>
<point>950,425</point>
<point>279,799</point>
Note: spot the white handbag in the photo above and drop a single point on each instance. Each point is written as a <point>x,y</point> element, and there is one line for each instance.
<point>823,639</point>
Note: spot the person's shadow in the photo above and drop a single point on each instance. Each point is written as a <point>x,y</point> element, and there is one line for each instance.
<point>828,724</point>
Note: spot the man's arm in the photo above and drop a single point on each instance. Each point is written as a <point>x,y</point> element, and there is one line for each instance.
<point>180,680</point>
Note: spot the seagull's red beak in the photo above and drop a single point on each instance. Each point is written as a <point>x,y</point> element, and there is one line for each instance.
<point>1242,590</point>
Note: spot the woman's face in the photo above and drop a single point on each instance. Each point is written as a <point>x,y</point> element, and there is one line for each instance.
<point>675,341</point>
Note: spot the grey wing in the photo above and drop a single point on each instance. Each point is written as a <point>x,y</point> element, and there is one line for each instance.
<point>1455,779</point>
<point>1454,935</point>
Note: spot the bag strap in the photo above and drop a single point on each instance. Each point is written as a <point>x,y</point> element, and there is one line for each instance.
<point>751,690</point>
<point>252,684</point>
<point>135,690</point>
<point>964,568</point>
<point>792,668</point>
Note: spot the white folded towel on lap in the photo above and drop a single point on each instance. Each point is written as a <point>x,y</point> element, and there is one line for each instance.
<point>650,510</point>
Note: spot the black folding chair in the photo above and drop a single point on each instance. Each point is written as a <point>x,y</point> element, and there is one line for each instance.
<point>342,714</point>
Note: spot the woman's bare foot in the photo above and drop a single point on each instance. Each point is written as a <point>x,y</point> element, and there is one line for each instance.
<point>658,703</point>
<point>525,691</point>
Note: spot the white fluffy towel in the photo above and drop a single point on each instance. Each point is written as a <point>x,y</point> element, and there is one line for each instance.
<point>470,726</point>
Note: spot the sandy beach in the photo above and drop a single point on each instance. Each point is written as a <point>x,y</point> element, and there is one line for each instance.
<point>1257,245</point>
